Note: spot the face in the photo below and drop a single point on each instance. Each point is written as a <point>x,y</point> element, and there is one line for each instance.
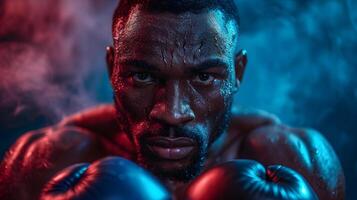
<point>174,77</point>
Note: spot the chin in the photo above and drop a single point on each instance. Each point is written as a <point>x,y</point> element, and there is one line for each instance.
<point>175,171</point>
<point>182,170</point>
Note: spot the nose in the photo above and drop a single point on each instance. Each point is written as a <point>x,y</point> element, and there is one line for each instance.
<point>174,109</point>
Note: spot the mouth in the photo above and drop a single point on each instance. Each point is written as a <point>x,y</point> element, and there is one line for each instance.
<point>171,149</point>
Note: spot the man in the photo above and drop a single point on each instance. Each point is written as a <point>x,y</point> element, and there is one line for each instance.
<point>174,68</point>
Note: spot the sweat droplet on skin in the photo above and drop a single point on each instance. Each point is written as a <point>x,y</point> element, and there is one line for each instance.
<point>226,90</point>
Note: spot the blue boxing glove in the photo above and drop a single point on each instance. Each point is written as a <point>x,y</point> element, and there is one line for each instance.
<point>108,179</point>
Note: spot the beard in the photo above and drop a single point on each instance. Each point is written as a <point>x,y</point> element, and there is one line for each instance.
<point>192,166</point>
<point>187,169</point>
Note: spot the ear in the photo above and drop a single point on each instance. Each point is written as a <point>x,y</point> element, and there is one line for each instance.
<point>241,61</point>
<point>110,60</point>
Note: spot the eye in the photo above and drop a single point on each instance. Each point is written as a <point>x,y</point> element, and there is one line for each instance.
<point>204,78</point>
<point>142,77</point>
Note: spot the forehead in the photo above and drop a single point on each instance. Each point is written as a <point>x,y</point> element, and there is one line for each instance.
<point>188,36</point>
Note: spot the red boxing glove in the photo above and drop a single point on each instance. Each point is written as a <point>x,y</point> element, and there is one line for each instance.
<point>249,180</point>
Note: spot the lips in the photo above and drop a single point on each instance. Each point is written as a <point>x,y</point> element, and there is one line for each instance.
<point>171,148</point>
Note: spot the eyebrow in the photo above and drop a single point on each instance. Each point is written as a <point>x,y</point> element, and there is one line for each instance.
<point>211,63</point>
<point>139,64</point>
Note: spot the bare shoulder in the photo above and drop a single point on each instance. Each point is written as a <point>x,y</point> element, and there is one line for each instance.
<point>246,120</point>
<point>302,149</point>
<point>101,119</point>
<point>38,155</point>
<point>47,143</point>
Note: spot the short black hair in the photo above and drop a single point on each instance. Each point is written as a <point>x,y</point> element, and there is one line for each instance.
<point>176,6</point>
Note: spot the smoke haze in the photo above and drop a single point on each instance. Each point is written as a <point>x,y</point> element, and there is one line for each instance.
<point>302,65</point>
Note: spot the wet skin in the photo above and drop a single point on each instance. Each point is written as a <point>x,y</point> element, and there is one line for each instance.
<point>174,77</point>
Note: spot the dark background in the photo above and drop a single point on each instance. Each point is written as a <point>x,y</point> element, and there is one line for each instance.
<point>302,65</point>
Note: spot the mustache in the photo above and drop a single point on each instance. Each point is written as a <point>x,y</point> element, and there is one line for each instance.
<point>167,131</point>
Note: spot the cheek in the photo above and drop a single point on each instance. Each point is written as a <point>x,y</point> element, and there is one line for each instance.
<point>135,102</point>
<point>210,104</point>
<point>219,112</point>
